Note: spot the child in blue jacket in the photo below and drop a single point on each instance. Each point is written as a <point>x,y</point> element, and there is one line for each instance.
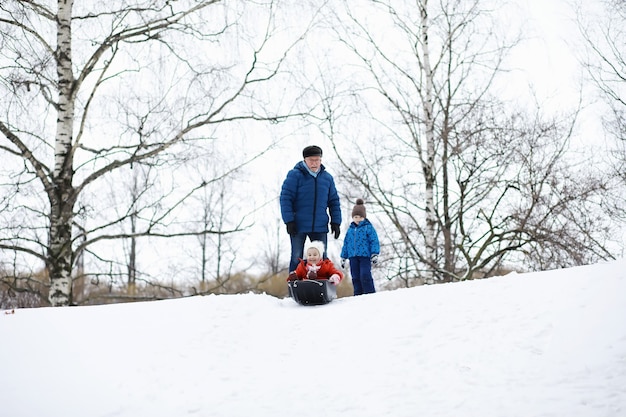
<point>361,248</point>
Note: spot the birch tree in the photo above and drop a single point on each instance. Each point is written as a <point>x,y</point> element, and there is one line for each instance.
<point>465,183</point>
<point>192,71</point>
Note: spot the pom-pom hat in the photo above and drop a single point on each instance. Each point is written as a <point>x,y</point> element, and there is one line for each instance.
<point>359,208</point>
<point>317,244</point>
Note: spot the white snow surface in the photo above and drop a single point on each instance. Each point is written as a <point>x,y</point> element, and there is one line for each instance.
<point>523,345</point>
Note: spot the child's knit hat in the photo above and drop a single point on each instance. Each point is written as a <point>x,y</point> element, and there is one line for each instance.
<point>359,209</point>
<point>317,244</point>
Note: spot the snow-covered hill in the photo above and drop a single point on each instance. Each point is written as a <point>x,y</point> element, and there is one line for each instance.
<point>526,345</point>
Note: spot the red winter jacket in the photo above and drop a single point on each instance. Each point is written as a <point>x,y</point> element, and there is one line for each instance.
<point>326,269</point>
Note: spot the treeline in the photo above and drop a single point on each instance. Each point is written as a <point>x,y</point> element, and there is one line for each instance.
<point>14,292</point>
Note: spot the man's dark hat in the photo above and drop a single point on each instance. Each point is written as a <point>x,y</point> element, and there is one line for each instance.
<point>311,151</point>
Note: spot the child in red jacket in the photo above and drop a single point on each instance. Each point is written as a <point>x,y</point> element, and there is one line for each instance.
<point>315,267</point>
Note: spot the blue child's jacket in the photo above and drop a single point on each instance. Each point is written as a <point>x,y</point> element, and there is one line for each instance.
<point>360,240</point>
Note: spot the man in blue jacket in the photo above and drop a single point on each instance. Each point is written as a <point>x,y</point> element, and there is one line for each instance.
<point>307,197</point>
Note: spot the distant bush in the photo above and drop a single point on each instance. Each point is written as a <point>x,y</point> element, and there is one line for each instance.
<point>25,290</point>
<point>10,299</point>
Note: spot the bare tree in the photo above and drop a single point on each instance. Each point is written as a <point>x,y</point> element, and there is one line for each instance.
<point>604,37</point>
<point>221,216</point>
<point>271,261</point>
<point>139,183</point>
<point>465,183</point>
<point>188,70</point>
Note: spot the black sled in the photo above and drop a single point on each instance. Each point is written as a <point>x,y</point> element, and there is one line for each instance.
<point>312,292</point>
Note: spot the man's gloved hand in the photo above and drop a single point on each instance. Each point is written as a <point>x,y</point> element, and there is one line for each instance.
<point>343,263</point>
<point>374,259</point>
<point>336,230</point>
<point>291,228</point>
<point>335,279</point>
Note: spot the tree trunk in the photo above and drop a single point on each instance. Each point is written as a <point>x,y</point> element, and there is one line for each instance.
<point>446,227</point>
<point>59,260</point>
<point>132,257</point>
<point>428,165</point>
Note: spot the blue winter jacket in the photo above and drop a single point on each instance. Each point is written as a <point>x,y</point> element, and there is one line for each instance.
<point>360,240</point>
<point>307,200</point>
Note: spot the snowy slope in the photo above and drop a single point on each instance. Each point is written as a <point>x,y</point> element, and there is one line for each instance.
<point>527,345</point>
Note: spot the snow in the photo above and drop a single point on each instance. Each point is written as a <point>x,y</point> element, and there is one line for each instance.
<point>539,344</point>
